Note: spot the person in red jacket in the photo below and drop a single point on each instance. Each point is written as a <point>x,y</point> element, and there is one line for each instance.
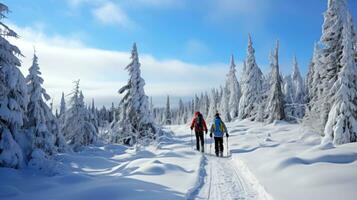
<point>199,124</point>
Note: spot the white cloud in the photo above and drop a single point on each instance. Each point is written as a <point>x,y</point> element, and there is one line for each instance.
<point>102,72</point>
<point>111,14</point>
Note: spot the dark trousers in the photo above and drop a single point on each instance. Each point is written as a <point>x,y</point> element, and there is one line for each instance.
<point>218,144</point>
<point>199,138</point>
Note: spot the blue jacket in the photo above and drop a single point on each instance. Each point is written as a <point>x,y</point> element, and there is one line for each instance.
<point>218,128</point>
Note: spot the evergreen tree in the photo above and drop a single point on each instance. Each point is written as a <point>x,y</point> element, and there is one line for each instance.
<point>77,129</point>
<point>331,54</point>
<point>224,106</point>
<point>168,114</point>
<point>275,106</point>
<point>41,124</point>
<point>13,98</point>
<point>252,82</point>
<point>288,90</point>
<point>341,126</point>
<point>135,124</point>
<point>213,105</point>
<point>294,94</point>
<point>234,91</point>
<point>181,113</point>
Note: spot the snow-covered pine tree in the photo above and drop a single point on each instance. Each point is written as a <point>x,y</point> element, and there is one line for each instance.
<point>206,104</point>
<point>252,82</point>
<point>62,112</point>
<point>78,131</point>
<point>41,125</point>
<point>275,106</point>
<point>288,90</point>
<point>294,94</point>
<point>151,107</point>
<point>213,105</point>
<point>341,126</point>
<point>313,109</point>
<point>234,91</point>
<point>224,105</point>
<point>298,83</point>
<point>13,98</point>
<point>168,114</point>
<point>93,116</point>
<point>196,105</point>
<point>331,54</point>
<point>136,123</point>
<point>310,82</point>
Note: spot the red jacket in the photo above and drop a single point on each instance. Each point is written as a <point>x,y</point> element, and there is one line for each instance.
<point>198,129</point>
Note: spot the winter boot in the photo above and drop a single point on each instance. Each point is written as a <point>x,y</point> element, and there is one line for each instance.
<point>221,154</point>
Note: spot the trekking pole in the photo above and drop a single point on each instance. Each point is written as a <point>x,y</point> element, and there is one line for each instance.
<point>204,142</point>
<point>227,147</point>
<point>210,147</point>
<point>191,140</point>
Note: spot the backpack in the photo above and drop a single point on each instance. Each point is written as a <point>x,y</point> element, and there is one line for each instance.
<point>218,128</point>
<point>199,122</point>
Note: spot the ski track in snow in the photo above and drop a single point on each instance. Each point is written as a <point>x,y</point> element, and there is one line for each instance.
<point>226,179</point>
<point>222,181</point>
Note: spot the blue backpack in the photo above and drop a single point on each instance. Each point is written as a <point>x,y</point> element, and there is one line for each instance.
<point>218,128</point>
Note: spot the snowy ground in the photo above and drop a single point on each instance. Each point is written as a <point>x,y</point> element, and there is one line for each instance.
<point>279,161</point>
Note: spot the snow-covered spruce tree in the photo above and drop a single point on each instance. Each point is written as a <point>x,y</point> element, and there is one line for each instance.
<point>168,114</point>
<point>252,82</point>
<point>93,116</point>
<point>275,105</point>
<point>288,90</point>
<point>13,98</point>
<point>314,101</point>
<point>78,131</point>
<point>62,106</point>
<point>298,84</point>
<point>331,54</point>
<point>224,105</point>
<point>151,107</point>
<point>312,76</point>
<point>136,124</point>
<point>206,104</point>
<point>41,125</point>
<point>341,126</point>
<point>213,105</point>
<point>234,91</point>
<point>294,94</point>
<point>181,113</point>
<point>196,105</point>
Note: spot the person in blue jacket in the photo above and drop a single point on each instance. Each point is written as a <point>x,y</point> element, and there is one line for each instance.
<point>218,129</point>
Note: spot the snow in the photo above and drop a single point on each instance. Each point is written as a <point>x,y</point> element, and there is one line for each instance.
<point>289,162</point>
<point>111,172</point>
<point>275,161</point>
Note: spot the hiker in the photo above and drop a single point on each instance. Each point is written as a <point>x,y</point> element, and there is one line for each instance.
<point>199,124</point>
<point>218,129</point>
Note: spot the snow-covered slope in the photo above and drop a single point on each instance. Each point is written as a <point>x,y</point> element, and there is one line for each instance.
<point>166,171</point>
<point>277,161</point>
<point>290,163</point>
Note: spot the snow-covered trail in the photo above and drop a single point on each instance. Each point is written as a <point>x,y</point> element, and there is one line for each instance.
<point>223,181</point>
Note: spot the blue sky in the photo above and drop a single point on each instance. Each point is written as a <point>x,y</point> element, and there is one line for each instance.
<point>200,33</point>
